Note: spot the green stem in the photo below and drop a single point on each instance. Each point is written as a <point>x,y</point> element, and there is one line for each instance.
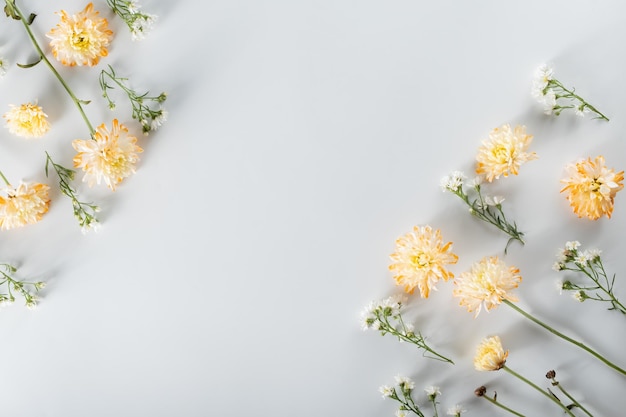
<point>502,406</point>
<point>5,179</point>
<point>572,399</point>
<point>576,96</point>
<point>545,393</point>
<point>76,101</point>
<point>564,337</point>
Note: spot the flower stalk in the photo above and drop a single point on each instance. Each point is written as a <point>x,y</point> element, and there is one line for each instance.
<point>19,287</point>
<point>15,11</point>
<point>486,208</point>
<point>386,317</point>
<point>589,263</point>
<point>551,376</point>
<point>564,337</point>
<point>482,393</point>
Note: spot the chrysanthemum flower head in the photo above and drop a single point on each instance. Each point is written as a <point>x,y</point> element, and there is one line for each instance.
<point>490,355</point>
<point>23,205</point>
<point>420,259</point>
<point>80,39</point>
<point>27,120</point>
<point>591,187</point>
<point>487,283</point>
<point>504,152</point>
<point>110,156</point>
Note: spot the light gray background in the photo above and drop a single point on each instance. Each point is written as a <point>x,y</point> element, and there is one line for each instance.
<point>303,138</point>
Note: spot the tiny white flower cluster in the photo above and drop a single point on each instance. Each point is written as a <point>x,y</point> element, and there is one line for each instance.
<point>455,410</point>
<point>453,182</point>
<point>388,307</point>
<point>540,91</point>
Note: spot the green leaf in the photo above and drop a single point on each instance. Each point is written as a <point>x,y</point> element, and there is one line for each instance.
<point>32,64</point>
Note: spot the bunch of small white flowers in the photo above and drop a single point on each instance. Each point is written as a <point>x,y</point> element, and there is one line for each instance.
<point>402,393</point>
<point>555,97</point>
<point>138,22</point>
<point>589,263</point>
<point>14,287</point>
<point>151,118</point>
<point>386,317</point>
<point>486,208</point>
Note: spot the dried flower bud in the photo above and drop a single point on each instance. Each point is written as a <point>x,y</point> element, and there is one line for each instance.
<point>480,391</point>
<point>551,374</point>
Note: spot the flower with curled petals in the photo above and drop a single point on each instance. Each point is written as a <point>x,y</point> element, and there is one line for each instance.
<point>27,120</point>
<point>490,355</point>
<point>420,259</point>
<point>591,188</point>
<point>23,205</point>
<point>109,157</point>
<point>80,39</point>
<point>487,283</point>
<point>504,152</point>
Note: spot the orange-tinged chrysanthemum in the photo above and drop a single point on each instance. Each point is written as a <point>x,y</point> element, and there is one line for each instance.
<point>80,39</point>
<point>490,355</point>
<point>27,120</point>
<point>504,152</point>
<point>592,188</point>
<point>420,259</point>
<point>487,283</point>
<point>110,156</point>
<point>23,205</point>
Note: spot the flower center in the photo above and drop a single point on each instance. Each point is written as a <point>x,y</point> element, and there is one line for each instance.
<point>80,41</point>
<point>420,260</point>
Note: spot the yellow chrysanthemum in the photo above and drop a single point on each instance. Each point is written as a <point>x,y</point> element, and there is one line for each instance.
<point>110,156</point>
<point>27,120</point>
<point>420,258</point>
<point>80,39</point>
<point>487,283</point>
<point>23,205</point>
<point>592,188</point>
<point>504,152</point>
<point>490,355</point>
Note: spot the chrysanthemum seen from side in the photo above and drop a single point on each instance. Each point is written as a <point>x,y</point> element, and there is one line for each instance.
<point>490,355</point>
<point>109,157</point>
<point>23,205</point>
<point>80,39</point>
<point>420,259</point>
<point>487,284</point>
<point>504,152</point>
<point>27,120</point>
<point>592,187</point>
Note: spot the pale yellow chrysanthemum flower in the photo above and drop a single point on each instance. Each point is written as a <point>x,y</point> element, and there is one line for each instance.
<point>490,355</point>
<point>592,188</point>
<point>23,205</point>
<point>487,283</point>
<point>110,156</point>
<point>27,120</point>
<point>420,259</point>
<point>80,39</point>
<point>504,152</point>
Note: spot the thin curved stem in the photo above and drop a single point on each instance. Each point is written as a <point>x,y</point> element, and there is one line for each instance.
<point>42,55</point>
<point>564,337</point>
<point>545,393</point>
<point>502,406</point>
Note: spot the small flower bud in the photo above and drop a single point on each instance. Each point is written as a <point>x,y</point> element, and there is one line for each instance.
<point>480,391</point>
<point>551,374</point>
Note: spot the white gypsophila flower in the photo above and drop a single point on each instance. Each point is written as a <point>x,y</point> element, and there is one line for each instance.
<point>455,410</point>
<point>475,182</point>
<point>572,245</point>
<point>543,75</point>
<point>594,254</point>
<point>409,328</point>
<point>401,413</point>
<point>158,121</point>
<point>432,390</point>
<point>582,257</point>
<point>578,296</point>
<point>548,101</point>
<point>558,284</point>
<point>453,181</point>
<point>386,391</point>
<point>581,110</point>
<point>558,266</point>
<point>494,201</point>
<point>404,382</point>
<point>141,26</point>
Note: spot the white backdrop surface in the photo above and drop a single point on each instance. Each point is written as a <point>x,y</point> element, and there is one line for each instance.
<point>303,138</point>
